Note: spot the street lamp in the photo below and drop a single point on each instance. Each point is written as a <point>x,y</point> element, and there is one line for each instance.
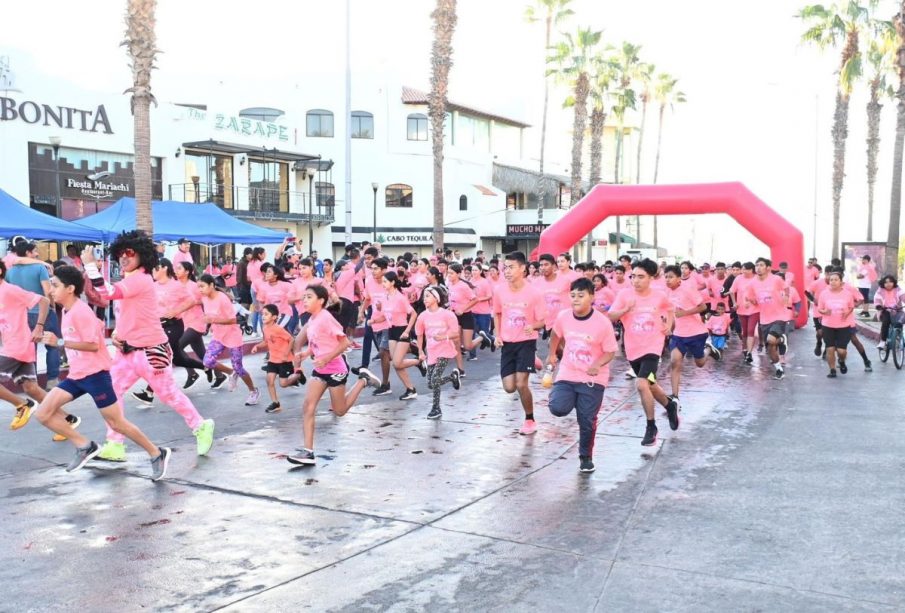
<point>55,143</point>
<point>311,209</point>
<point>374,187</point>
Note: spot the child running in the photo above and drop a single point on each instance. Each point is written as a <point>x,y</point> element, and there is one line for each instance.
<point>438,329</point>
<point>718,327</point>
<point>584,372</point>
<point>837,305</point>
<point>326,342</point>
<point>89,373</point>
<point>278,343</point>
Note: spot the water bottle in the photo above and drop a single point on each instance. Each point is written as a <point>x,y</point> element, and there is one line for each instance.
<point>547,381</point>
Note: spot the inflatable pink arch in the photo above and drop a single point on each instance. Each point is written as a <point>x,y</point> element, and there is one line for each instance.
<point>785,240</point>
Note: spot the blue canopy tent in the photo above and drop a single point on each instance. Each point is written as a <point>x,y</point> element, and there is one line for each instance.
<point>205,223</point>
<point>17,218</point>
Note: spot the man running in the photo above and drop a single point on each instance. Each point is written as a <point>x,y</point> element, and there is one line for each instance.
<point>770,295</point>
<point>746,310</point>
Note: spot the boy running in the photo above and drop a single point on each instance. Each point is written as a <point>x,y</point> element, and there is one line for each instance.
<point>768,293</point>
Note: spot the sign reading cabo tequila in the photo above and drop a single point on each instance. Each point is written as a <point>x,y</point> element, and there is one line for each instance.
<point>61,116</point>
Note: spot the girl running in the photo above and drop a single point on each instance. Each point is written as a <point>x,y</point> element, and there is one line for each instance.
<point>603,295</point>
<point>326,343</point>
<point>438,331</point>
<point>278,343</point>
<point>274,289</point>
<point>483,289</point>
<point>193,320</point>
<point>837,305</point>
<point>461,300</point>
<point>399,312</point>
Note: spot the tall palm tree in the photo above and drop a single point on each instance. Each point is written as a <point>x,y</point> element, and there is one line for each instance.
<point>600,82</point>
<point>573,62</point>
<point>645,80</point>
<point>627,66</point>
<point>880,57</point>
<point>831,26</point>
<point>444,16</point>
<point>667,96</point>
<point>552,12</point>
<point>895,200</point>
<point>141,46</point>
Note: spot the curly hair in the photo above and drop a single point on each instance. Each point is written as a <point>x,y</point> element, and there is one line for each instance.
<point>139,242</point>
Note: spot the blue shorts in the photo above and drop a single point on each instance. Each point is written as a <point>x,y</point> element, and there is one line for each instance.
<point>99,386</point>
<point>693,345</point>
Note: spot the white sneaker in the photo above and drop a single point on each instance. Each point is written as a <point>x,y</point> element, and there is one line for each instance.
<point>881,345</point>
<point>233,381</point>
<point>253,397</point>
<point>630,374</point>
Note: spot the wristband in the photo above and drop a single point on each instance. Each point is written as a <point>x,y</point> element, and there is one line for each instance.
<point>40,323</point>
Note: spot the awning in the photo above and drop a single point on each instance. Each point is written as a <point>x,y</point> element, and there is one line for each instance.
<point>19,219</point>
<point>219,146</point>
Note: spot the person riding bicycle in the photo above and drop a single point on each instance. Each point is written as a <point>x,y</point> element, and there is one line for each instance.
<point>888,299</point>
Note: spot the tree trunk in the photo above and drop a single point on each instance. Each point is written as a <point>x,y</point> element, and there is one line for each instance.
<point>839,133</point>
<point>640,141</point>
<point>444,16</point>
<point>661,113</point>
<point>541,185</point>
<point>873,145</point>
<point>141,116</point>
<point>616,182</point>
<point>598,118</point>
<point>579,124</point>
<point>895,201</point>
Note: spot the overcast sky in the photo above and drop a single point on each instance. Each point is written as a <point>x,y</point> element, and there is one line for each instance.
<point>756,97</point>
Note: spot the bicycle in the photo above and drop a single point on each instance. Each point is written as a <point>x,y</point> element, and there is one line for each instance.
<point>895,341</point>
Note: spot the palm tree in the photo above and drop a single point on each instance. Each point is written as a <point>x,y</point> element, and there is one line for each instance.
<point>553,12</point>
<point>627,66</point>
<point>666,96</point>
<point>141,46</point>
<point>645,80</point>
<point>573,60</point>
<point>830,26</point>
<point>895,201</point>
<point>880,50</point>
<point>444,16</point>
<point>599,94</point>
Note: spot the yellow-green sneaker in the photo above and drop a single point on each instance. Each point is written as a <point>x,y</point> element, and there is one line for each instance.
<point>113,452</point>
<point>205,436</point>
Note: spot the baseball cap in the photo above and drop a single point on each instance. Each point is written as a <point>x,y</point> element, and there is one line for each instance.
<point>183,240</point>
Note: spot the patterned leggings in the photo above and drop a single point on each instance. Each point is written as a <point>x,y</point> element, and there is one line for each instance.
<point>436,380</point>
<point>215,348</point>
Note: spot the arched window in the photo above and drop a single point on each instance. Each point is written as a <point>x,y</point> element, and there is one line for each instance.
<point>399,195</point>
<point>417,126</point>
<point>463,202</point>
<point>362,124</point>
<point>319,123</point>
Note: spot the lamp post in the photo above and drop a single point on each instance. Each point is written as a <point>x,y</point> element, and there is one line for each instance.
<point>310,209</point>
<point>374,187</point>
<point>58,202</point>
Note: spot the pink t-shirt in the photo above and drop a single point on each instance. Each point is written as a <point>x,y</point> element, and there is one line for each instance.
<point>842,308</point>
<point>324,336</point>
<point>618,287</point>
<point>644,333</point>
<point>686,297</point>
<point>181,257</point>
<point>889,298</point>
<point>484,291</point>
<point>80,324</point>
<point>229,274</point>
<point>137,314</point>
<point>220,307</point>
<point>345,283</point>
<point>816,288</point>
<point>379,300</point>
<point>794,298</point>
<point>556,296</point>
<point>276,294</point>
<point>253,271</point>
<point>418,280</point>
<point>718,325</point>
<point>603,298</point>
<point>459,296</point>
<point>740,288</point>
<point>193,317</point>
<point>518,309</point>
<point>170,295</point>
<point>657,283</point>
<point>716,287</point>
<point>442,322</point>
<point>769,294</point>
<point>397,308</point>
<point>586,341</point>
<point>15,334</point>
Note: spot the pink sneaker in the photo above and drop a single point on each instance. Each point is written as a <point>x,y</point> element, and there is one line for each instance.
<point>253,397</point>
<point>529,427</point>
<point>233,381</point>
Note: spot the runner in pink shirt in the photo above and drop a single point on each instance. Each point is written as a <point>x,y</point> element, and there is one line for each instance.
<point>518,313</point>
<point>746,310</point>
<point>812,291</point>
<point>770,295</point>
<point>837,306</point>
<point>584,371</point>
<point>326,342</point>
<point>89,373</point>
<point>564,270</point>
<point>276,290</point>
<point>603,295</point>
<point>255,276</point>
<point>401,316</point>
<point>375,298</point>
<point>183,252</point>
<point>437,331</point>
<point>867,276</point>
<point>718,326</point>
<point>483,288</point>
<point>553,284</point>
<point>462,298</point>
<point>619,279</point>
<point>647,316</point>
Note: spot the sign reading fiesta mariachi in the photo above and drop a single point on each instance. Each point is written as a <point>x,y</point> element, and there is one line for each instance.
<point>244,125</point>
<point>99,189</point>
<point>70,118</point>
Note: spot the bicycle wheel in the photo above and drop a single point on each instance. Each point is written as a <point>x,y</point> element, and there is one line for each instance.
<point>884,353</point>
<point>898,351</point>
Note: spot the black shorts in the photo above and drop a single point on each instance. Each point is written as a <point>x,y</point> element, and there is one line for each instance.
<point>466,321</point>
<point>776,328</point>
<point>281,369</point>
<point>517,357</point>
<point>646,366</point>
<point>334,380</point>
<point>837,337</point>
<point>396,333</point>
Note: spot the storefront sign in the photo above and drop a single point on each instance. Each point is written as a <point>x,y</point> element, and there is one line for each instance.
<point>244,126</point>
<point>66,117</point>
<point>405,239</point>
<point>525,230</point>
<point>101,190</point>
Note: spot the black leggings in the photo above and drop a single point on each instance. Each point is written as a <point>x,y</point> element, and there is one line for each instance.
<point>175,330</point>
<point>884,324</point>
<point>192,338</point>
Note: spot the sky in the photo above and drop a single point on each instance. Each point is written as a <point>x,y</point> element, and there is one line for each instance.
<point>759,104</point>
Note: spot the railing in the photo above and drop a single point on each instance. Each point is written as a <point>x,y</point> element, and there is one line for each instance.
<point>255,202</point>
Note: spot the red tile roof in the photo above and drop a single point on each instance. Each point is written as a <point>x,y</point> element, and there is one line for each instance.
<point>415,96</point>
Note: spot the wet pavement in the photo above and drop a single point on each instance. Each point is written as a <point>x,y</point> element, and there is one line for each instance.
<point>773,495</point>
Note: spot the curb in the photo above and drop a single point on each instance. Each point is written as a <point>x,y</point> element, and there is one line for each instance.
<point>868,332</point>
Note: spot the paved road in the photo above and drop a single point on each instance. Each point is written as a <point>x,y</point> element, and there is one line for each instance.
<point>774,495</point>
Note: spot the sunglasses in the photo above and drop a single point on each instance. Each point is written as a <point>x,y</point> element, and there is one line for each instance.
<point>126,253</point>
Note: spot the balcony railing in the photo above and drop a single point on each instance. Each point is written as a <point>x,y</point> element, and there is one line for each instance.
<point>255,202</point>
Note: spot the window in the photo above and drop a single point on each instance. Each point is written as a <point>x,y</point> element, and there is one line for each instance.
<point>399,195</point>
<point>268,185</point>
<point>325,194</point>
<point>417,126</point>
<point>211,177</point>
<point>319,123</point>
<point>463,202</point>
<point>362,124</point>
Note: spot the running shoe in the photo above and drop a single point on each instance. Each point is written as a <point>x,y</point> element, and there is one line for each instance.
<point>204,435</point>
<point>485,339</point>
<point>585,465</point>
<point>868,367</point>
<point>422,368</point>
<point>784,340</point>
<point>145,397</point>
<point>435,413</point>
<point>64,364</point>
<point>370,378</point>
<point>113,452</point>
<point>302,380</point>
<point>881,345</point>
<point>832,374</point>
<point>715,353</point>
<point>219,380</point>
<point>650,435</point>
<point>160,463</point>
<point>23,414</point>
<point>273,407</point>
<point>818,349</point>
<point>383,390</point>
<point>672,413</point>
<point>209,373</point>
<point>630,374</point>
<point>749,358</point>
<point>779,373</point>
<point>529,427</point>
<point>254,396</point>
<point>472,358</point>
<point>82,456</point>
<point>74,421</point>
<point>842,367</point>
<point>461,373</point>
<point>305,458</point>
<point>454,379</point>
<point>233,381</point>
<point>191,380</point>
<point>410,394</point>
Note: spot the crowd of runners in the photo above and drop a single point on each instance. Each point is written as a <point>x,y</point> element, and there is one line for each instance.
<point>423,318</point>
